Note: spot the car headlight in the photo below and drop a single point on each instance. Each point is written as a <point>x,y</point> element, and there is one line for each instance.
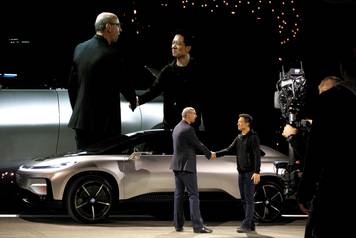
<point>56,166</point>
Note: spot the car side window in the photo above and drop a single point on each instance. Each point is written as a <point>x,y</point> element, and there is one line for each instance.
<point>141,147</point>
<point>158,144</point>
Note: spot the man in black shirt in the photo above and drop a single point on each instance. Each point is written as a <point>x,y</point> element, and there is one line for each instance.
<point>179,83</point>
<point>248,157</point>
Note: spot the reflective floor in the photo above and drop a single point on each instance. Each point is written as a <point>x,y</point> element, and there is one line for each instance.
<point>121,226</point>
<point>18,220</point>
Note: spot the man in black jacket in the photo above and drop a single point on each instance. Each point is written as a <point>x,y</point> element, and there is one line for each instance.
<point>95,86</point>
<point>179,83</point>
<point>330,158</point>
<point>247,148</point>
<point>185,146</point>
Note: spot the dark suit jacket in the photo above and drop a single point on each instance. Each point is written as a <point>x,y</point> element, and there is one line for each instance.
<point>185,146</point>
<point>95,86</point>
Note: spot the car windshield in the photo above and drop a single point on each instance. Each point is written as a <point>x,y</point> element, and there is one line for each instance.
<point>152,141</point>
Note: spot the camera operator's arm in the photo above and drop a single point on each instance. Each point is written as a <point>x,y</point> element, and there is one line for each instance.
<point>296,139</point>
<point>289,131</point>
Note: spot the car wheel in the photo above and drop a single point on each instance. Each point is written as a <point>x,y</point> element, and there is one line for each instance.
<point>269,201</point>
<point>89,199</point>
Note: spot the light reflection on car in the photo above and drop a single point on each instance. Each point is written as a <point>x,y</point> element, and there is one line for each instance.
<point>88,183</point>
<point>33,122</point>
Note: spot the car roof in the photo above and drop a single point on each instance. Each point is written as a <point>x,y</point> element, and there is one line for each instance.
<point>156,138</point>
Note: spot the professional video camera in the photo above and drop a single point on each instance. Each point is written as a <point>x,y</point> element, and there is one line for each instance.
<point>290,96</point>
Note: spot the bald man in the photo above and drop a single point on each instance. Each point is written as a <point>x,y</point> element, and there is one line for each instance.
<point>327,83</point>
<point>184,165</point>
<point>95,84</point>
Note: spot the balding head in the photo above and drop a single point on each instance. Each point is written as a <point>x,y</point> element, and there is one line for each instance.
<point>327,83</point>
<point>189,115</point>
<point>107,25</point>
<point>104,18</point>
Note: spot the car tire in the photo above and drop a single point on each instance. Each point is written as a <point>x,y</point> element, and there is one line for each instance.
<point>90,199</point>
<point>269,201</point>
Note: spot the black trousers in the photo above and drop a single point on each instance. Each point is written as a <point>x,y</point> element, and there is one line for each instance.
<point>247,190</point>
<point>187,180</point>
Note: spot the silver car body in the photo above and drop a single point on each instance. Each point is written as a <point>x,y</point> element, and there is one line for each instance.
<point>140,173</point>
<point>137,175</point>
<point>34,122</point>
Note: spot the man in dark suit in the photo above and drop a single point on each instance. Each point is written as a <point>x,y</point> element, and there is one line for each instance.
<point>94,86</point>
<point>185,145</point>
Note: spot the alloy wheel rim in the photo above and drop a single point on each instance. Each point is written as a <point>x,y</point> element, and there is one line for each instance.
<point>92,200</point>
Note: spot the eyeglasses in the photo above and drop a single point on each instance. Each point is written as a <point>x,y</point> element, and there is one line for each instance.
<point>118,24</point>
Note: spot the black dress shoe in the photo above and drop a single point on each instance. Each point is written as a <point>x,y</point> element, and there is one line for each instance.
<point>245,230</point>
<point>179,229</point>
<point>203,230</point>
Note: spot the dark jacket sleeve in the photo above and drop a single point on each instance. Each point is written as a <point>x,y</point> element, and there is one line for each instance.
<point>73,85</point>
<point>197,144</point>
<point>256,153</point>
<point>156,89</point>
<point>313,164</point>
<point>73,82</point>
<point>230,149</point>
<point>130,96</point>
<point>124,85</point>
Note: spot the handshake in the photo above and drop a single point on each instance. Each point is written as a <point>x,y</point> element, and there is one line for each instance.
<point>132,106</point>
<point>213,155</point>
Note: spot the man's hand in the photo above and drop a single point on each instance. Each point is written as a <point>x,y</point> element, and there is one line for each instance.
<point>289,131</point>
<point>132,106</point>
<point>303,208</point>
<point>213,155</point>
<point>256,178</point>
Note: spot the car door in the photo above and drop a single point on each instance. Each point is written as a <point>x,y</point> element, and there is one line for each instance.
<point>149,172</point>
<point>218,175</point>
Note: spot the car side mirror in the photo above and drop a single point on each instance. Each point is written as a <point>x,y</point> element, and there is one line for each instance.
<point>280,166</point>
<point>137,155</point>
